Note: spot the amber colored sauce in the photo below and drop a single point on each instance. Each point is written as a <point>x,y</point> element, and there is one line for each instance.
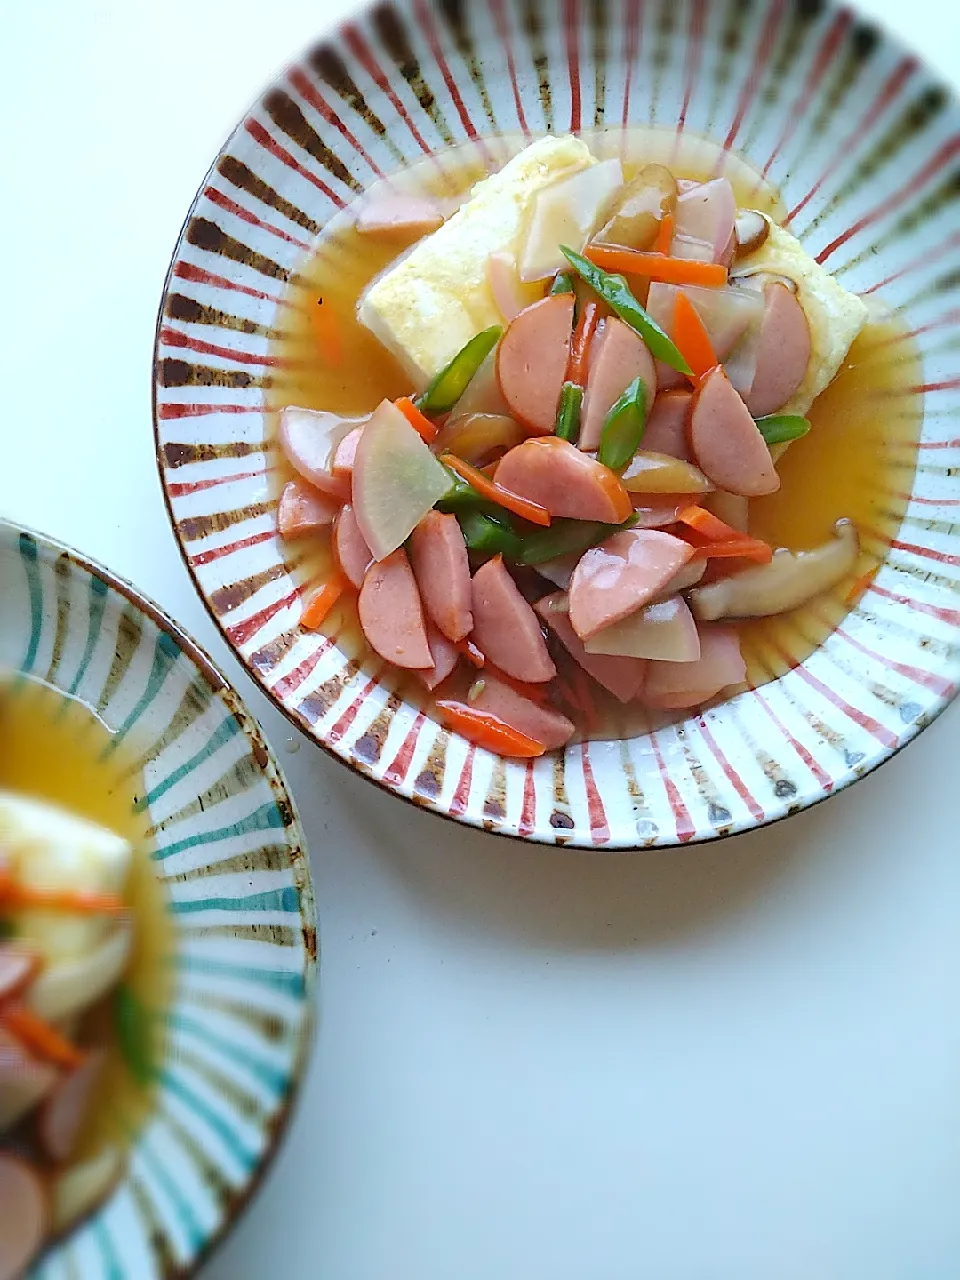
<point>55,748</point>
<point>857,461</point>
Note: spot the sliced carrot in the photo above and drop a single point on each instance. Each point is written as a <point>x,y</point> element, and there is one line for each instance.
<point>39,1037</point>
<point>327,329</point>
<point>657,266</point>
<point>664,235</point>
<point>321,602</point>
<point>743,547</point>
<point>19,895</point>
<point>470,652</point>
<point>859,587</point>
<point>692,339</point>
<point>706,523</point>
<point>425,429</point>
<point>488,488</point>
<point>488,731</point>
<point>583,336</point>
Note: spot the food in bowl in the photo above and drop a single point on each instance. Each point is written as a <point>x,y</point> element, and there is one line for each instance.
<point>82,973</point>
<point>580,443</point>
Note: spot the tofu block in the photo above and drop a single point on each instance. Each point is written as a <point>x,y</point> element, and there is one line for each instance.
<point>835,316</point>
<point>428,306</point>
<point>45,847</point>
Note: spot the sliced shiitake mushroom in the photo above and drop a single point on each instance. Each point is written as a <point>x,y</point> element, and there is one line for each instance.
<point>750,229</point>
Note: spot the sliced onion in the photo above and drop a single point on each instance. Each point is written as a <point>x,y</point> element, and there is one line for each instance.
<point>68,986</point>
<point>731,508</point>
<point>568,211</point>
<point>479,437</point>
<point>505,285</point>
<point>24,1215</point>
<point>393,213</point>
<point>664,631</point>
<point>483,394</point>
<point>707,212</point>
<point>82,1187</point>
<point>18,964</point>
<point>661,473</point>
<point>726,313</point>
<point>657,510</point>
<point>560,570</point>
<point>308,439</point>
<point>396,481</point>
<point>692,248</point>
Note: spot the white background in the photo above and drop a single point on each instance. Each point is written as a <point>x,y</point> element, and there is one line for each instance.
<point>737,1062</point>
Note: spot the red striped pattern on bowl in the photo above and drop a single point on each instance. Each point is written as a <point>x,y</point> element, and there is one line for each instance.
<point>865,147</point>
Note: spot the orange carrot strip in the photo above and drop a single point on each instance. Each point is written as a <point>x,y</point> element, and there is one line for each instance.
<point>743,547</point>
<point>421,424</point>
<point>859,587</point>
<point>320,604</point>
<point>692,339</point>
<point>664,235</point>
<point>488,488</point>
<point>655,266</point>
<point>488,730</point>
<point>582,340</point>
<point>705,522</point>
<point>18,895</point>
<point>39,1037</point>
<point>470,652</point>
<point>327,331</point>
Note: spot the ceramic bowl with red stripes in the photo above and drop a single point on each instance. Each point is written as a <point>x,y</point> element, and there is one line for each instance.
<point>864,147</point>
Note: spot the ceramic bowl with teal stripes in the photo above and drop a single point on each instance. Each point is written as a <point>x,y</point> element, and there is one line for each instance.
<point>227,866</point>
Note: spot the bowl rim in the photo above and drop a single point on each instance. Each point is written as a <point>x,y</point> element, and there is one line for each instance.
<point>220,687</point>
<point>578,841</point>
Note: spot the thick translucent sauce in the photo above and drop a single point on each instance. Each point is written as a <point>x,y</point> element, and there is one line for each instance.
<point>857,461</point>
<point>55,748</point>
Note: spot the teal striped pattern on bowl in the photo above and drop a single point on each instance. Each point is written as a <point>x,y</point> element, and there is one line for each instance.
<point>229,853</point>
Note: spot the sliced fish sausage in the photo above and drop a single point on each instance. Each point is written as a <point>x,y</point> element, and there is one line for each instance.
<point>505,627</point>
<point>391,614</point>
<point>24,1214</point>
<point>725,441</point>
<point>534,719</point>
<point>303,509</point>
<point>445,657</point>
<point>440,565</point>
<point>344,454</point>
<point>677,686</point>
<point>532,361</point>
<point>623,677</point>
<point>620,355</point>
<point>565,480</point>
<point>783,351</point>
<point>666,429</point>
<point>350,549</point>
<point>621,575</point>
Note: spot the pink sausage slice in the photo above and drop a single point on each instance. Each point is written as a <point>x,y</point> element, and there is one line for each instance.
<point>783,351</point>
<point>445,657</point>
<point>391,614</point>
<point>24,1214</point>
<point>304,509</point>
<point>725,442</point>
<point>677,686</point>
<point>350,549</point>
<point>442,571</point>
<point>621,575</point>
<point>520,713</point>
<point>623,677</point>
<point>565,480</point>
<point>344,454</point>
<point>619,356</point>
<point>505,627</point>
<point>666,429</point>
<point>65,1109</point>
<point>532,361</point>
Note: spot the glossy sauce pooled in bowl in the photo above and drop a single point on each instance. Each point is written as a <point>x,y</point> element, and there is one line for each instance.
<point>855,464</point>
<point>80,1036</point>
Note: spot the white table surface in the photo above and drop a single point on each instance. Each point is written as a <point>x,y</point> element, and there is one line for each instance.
<point>736,1062</point>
